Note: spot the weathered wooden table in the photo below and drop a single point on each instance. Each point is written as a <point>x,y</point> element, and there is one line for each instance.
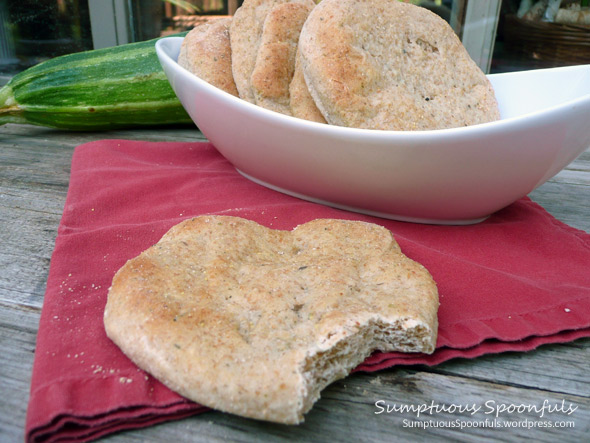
<point>34,173</point>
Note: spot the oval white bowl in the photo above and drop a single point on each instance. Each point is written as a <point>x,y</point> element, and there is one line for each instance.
<point>449,176</point>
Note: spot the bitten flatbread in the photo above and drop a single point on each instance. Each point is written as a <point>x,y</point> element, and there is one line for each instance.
<point>256,322</point>
<point>384,64</point>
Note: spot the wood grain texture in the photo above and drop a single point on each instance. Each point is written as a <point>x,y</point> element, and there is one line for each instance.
<point>34,175</point>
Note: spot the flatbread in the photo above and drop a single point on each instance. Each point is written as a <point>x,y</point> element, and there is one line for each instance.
<point>245,37</point>
<point>206,52</point>
<point>300,100</point>
<point>256,322</point>
<point>275,60</point>
<point>384,64</point>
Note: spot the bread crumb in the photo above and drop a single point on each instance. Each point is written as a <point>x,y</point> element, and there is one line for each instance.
<point>376,381</point>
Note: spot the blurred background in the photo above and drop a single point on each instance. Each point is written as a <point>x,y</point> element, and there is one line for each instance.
<point>500,35</point>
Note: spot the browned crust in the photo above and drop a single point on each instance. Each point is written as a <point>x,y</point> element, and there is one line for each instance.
<point>275,61</point>
<point>300,100</point>
<point>245,36</point>
<point>206,52</point>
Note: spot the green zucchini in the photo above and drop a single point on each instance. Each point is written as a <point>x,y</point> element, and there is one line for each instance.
<point>119,87</point>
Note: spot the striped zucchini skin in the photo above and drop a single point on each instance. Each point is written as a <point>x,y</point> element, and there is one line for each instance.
<point>119,87</point>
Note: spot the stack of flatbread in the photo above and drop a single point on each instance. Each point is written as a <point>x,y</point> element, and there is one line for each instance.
<point>256,322</point>
<point>374,64</point>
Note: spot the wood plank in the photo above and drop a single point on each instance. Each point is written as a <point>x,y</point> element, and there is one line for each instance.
<point>559,368</point>
<point>567,195</point>
<point>26,134</point>
<point>18,332</point>
<point>356,396</point>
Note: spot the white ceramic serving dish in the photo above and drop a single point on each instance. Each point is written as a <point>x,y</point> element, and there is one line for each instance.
<point>449,176</point>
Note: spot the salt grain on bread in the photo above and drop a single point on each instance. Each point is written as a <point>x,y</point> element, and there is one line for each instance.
<point>206,52</point>
<point>256,322</point>
<point>384,64</point>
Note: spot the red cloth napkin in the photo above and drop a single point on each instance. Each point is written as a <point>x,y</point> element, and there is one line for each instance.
<point>513,282</point>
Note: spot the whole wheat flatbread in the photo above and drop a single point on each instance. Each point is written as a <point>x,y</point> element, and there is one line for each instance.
<point>256,321</point>
<point>300,100</point>
<point>384,64</point>
<point>245,36</point>
<point>275,60</point>
<point>206,52</point>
